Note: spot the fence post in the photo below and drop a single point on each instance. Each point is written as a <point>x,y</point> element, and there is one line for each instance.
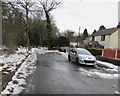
<point>102,52</point>
<point>115,54</point>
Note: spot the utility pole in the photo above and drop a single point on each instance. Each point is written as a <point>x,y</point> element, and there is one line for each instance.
<point>78,38</point>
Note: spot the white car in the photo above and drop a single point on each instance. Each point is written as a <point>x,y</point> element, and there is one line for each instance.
<point>81,56</point>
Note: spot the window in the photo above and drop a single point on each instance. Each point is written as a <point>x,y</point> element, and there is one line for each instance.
<point>93,38</point>
<point>103,38</point>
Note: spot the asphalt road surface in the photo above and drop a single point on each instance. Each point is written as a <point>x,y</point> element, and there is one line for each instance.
<point>0,81</point>
<point>56,75</point>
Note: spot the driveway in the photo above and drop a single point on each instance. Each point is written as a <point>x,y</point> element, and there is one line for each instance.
<point>56,75</point>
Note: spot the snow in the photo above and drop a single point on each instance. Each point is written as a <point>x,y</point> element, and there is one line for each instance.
<point>105,64</point>
<point>2,47</point>
<point>97,74</point>
<point>117,93</point>
<point>18,80</point>
<point>64,54</point>
<point>112,70</point>
<point>0,68</point>
<point>10,62</point>
<point>104,75</point>
<point>22,50</point>
<point>38,51</point>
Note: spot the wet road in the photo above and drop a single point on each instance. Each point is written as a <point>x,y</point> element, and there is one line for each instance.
<point>56,75</point>
<point>0,81</point>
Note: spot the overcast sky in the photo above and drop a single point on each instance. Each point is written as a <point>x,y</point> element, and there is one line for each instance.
<point>90,14</point>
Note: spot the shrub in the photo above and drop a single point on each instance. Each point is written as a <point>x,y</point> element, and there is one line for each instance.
<point>95,52</point>
<point>11,50</point>
<point>63,41</point>
<point>76,46</point>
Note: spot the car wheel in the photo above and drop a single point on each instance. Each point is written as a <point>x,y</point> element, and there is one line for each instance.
<point>77,61</point>
<point>69,58</point>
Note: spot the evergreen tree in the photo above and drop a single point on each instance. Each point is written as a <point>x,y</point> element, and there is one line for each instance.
<point>118,26</point>
<point>102,27</point>
<point>85,34</point>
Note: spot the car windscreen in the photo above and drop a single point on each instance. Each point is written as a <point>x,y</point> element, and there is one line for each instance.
<point>83,51</point>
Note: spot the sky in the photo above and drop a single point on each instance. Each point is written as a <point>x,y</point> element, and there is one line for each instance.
<point>90,14</point>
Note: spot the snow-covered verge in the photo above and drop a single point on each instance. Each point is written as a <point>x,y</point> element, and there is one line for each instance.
<point>9,63</point>
<point>2,47</point>
<point>103,70</point>
<point>106,65</point>
<point>97,74</point>
<point>64,54</point>
<point>42,50</point>
<point>18,82</point>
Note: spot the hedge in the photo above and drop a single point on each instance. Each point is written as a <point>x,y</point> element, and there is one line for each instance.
<point>95,52</point>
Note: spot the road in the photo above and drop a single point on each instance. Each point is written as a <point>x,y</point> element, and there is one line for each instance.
<point>56,75</point>
<point>0,81</point>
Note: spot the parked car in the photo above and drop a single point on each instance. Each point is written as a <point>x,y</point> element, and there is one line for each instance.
<point>81,56</point>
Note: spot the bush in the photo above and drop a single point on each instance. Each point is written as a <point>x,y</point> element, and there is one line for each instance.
<point>76,46</point>
<point>63,41</point>
<point>72,46</point>
<point>95,52</point>
<point>56,42</point>
<point>11,50</point>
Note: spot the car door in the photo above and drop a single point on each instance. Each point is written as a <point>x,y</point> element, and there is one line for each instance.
<point>71,54</point>
<point>74,55</point>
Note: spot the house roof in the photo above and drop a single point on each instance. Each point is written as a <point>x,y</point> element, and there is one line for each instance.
<point>105,32</point>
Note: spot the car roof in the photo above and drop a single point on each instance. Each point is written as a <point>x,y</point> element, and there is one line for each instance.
<point>79,48</point>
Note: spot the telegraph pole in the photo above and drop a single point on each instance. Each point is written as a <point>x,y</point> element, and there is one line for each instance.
<point>79,35</point>
<point>78,38</point>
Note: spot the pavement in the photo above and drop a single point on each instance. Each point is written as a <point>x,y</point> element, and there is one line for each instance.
<point>56,75</point>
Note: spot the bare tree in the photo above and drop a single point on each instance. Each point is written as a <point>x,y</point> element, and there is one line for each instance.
<point>25,6</point>
<point>48,6</point>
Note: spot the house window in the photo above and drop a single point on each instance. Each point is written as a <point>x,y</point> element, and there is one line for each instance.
<point>93,38</point>
<point>103,38</point>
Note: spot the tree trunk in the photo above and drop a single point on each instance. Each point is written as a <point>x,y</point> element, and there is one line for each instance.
<point>26,31</point>
<point>48,28</point>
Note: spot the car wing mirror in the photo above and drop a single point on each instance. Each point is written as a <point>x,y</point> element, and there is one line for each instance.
<point>74,52</point>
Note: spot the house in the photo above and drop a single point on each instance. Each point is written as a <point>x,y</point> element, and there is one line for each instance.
<point>110,40</point>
